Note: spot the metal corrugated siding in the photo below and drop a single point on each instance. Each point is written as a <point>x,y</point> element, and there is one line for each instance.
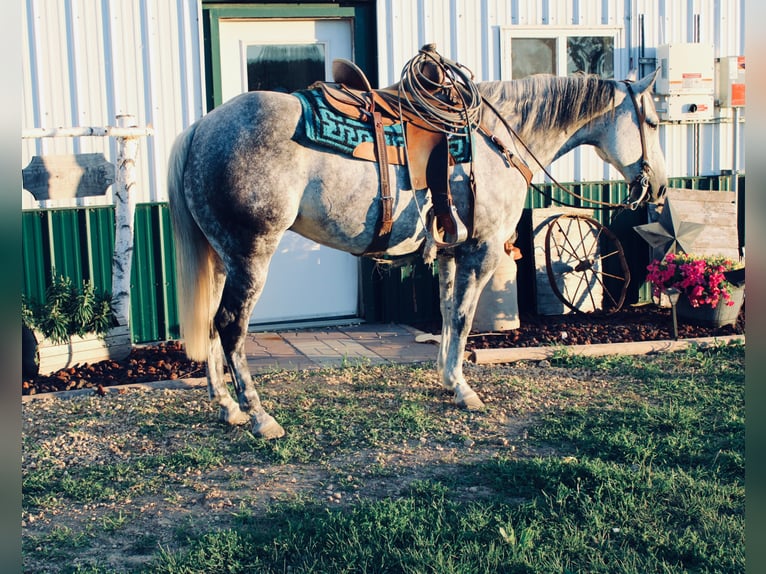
<point>86,61</point>
<point>469,32</point>
<point>78,243</point>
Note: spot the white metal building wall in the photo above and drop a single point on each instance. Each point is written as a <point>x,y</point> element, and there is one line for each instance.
<point>87,61</point>
<point>468,31</point>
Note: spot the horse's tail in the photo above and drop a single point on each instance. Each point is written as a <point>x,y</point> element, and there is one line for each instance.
<point>195,258</point>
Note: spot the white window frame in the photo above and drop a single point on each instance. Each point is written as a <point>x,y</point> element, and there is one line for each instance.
<point>560,34</point>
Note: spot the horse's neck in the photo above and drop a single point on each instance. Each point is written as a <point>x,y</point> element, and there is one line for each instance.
<point>545,146</point>
<point>541,146</point>
<point>550,144</point>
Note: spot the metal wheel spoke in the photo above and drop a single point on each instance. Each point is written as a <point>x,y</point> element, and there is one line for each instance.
<point>576,269</point>
<point>612,276</point>
<point>610,254</point>
<point>562,248</point>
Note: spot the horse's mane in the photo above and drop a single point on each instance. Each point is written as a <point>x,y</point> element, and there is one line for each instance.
<point>543,102</point>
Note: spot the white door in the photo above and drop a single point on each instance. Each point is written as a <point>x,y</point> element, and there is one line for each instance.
<point>306,281</point>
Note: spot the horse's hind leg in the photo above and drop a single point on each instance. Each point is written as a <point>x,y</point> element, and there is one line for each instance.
<point>216,385</point>
<point>218,392</point>
<point>244,283</point>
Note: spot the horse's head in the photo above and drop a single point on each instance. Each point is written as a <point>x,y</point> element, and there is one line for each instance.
<point>634,145</point>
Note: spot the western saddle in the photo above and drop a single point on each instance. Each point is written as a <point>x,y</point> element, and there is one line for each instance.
<point>426,152</point>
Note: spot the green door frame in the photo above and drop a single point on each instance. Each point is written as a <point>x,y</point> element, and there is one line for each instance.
<point>362,16</point>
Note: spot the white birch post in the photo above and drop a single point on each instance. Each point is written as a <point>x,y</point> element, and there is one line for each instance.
<point>124,212</point>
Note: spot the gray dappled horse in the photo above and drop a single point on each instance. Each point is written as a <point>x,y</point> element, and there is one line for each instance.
<point>238,179</point>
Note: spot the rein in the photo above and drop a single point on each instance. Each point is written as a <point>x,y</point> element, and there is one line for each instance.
<point>641,180</point>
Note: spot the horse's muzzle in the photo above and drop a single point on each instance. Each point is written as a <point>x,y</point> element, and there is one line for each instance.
<point>642,191</point>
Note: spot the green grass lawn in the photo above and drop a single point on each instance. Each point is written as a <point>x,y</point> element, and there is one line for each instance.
<point>646,476</point>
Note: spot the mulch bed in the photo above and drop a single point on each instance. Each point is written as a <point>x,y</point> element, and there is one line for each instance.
<point>167,361</point>
<point>632,324</point>
<point>160,362</point>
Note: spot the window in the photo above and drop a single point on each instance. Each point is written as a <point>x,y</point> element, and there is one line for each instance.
<point>558,51</point>
<point>284,68</point>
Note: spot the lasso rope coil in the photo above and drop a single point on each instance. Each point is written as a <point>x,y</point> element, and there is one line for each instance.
<point>440,92</point>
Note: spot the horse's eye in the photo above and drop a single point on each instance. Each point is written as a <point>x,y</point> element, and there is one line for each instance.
<point>651,122</point>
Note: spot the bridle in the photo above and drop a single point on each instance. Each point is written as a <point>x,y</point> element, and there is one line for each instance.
<point>639,183</point>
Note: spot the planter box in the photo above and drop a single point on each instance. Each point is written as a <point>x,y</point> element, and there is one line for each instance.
<point>708,316</point>
<point>53,357</point>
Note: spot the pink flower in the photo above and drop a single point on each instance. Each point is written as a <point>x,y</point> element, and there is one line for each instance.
<point>702,279</point>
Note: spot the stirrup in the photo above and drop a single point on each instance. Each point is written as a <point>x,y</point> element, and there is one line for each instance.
<point>447,229</point>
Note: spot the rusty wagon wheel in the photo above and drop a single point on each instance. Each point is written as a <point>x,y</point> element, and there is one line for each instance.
<point>586,264</point>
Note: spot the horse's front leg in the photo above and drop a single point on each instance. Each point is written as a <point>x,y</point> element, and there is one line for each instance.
<point>446,290</point>
<point>239,295</point>
<point>462,276</point>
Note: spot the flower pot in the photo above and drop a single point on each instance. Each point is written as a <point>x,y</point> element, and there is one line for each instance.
<point>53,357</point>
<point>708,316</point>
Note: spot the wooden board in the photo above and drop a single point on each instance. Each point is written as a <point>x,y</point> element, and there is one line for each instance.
<point>716,210</point>
<point>68,176</point>
<point>79,350</point>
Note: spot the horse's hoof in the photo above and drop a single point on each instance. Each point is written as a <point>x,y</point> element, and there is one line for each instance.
<point>233,416</point>
<point>469,400</point>
<point>267,428</point>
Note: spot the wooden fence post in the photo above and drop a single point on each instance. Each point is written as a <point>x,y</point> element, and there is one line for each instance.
<point>124,213</point>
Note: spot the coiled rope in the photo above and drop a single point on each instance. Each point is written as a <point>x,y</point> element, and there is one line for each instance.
<point>440,92</point>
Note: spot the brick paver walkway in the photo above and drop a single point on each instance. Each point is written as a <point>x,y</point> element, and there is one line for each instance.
<point>336,346</point>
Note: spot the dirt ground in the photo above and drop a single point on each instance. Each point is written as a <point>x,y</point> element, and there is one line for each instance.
<point>196,473</point>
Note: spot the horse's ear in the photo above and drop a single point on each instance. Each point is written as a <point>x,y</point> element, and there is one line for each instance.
<point>632,75</point>
<point>646,83</point>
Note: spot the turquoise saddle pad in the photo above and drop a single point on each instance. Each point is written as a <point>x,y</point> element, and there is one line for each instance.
<point>325,127</point>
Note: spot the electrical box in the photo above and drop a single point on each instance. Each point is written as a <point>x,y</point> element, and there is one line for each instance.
<point>686,82</point>
<point>685,107</point>
<point>731,82</point>
<point>686,69</point>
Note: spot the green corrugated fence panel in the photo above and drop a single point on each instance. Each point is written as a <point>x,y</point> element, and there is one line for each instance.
<point>168,276</point>
<point>79,244</point>
<point>34,255</point>
<point>535,199</point>
<point>400,294</point>
<point>75,243</point>
<point>100,231</point>
<point>703,182</point>
<point>153,290</point>
<point>143,281</point>
<point>65,245</point>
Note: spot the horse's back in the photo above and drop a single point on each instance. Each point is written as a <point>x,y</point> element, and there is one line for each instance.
<point>250,117</point>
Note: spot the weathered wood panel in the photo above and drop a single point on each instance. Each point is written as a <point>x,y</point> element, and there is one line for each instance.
<point>115,345</point>
<point>716,210</point>
<point>68,176</point>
